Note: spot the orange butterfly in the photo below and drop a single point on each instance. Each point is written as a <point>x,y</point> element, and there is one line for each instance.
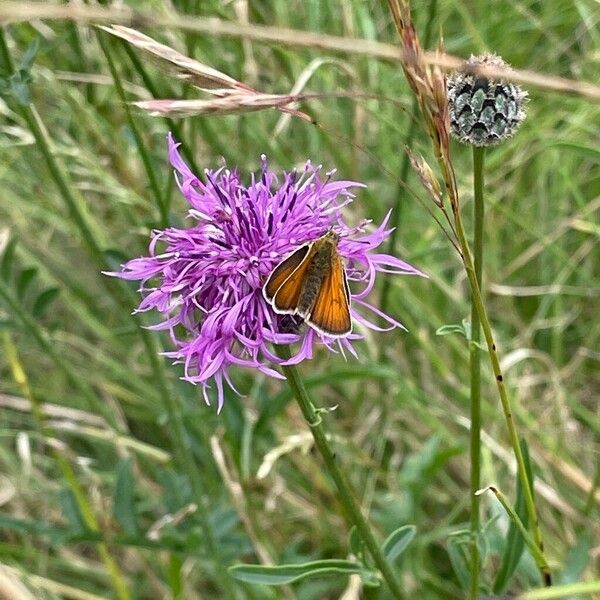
<point>311,282</point>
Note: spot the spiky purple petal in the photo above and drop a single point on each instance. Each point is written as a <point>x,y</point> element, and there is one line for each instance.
<point>206,280</point>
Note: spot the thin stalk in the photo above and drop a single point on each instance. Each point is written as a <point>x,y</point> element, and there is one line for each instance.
<point>405,164</point>
<point>429,89</point>
<point>84,506</point>
<point>123,294</point>
<point>151,87</point>
<point>537,554</point>
<point>346,496</point>
<point>475,368</point>
<point>152,179</point>
<point>504,400</point>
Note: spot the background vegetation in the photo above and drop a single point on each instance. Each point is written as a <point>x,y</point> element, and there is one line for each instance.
<point>113,414</point>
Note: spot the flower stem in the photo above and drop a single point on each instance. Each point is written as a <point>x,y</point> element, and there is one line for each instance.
<point>346,496</point>
<point>475,368</point>
<point>84,506</point>
<point>504,400</point>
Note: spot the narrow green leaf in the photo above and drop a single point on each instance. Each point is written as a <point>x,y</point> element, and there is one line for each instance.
<point>458,558</point>
<point>593,153</point>
<point>7,258</point>
<point>124,498</point>
<point>43,301</point>
<point>65,534</point>
<point>20,88</point>
<point>175,576</point>
<point>29,527</point>
<point>71,512</point>
<point>536,553</point>
<point>24,279</point>
<point>577,559</point>
<point>515,543</point>
<point>30,54</point>
<point>285,574</point>
<point>398,541</point>
<point>355,542</point>
<point>586,588</point>
<point>448,329</point>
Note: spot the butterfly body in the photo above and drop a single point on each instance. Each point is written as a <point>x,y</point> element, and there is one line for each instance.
<point>311,282</point>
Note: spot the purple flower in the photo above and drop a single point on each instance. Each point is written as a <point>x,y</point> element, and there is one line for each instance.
<point>206,280</point>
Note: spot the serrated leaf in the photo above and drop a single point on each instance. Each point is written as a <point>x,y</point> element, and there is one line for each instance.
<point>7,258</point>
<point>26,276</point>
<point>514,540</point>
<point>398,541</point>
<point>124,498</point>
<point>285,574</point>
<point>43,301</point>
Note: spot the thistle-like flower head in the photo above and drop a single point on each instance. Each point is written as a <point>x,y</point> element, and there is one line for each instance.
<point>206,280</point>
<point>484,112</point>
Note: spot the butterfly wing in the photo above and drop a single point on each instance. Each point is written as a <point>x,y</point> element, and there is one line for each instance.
<point>284,286</point>
<point>283,270</point>
<point>331,310</point>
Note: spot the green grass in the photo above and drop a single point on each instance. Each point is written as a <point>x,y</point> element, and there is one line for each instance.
<point>401,424</point>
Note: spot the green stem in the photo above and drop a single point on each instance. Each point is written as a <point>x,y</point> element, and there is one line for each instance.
<point>141,146</point>
<point>121,294</point>
<point>85,508</point>
<point>504,400</point>
<point>346,496</point>
<point>475,368</point>
<point>537,554</point>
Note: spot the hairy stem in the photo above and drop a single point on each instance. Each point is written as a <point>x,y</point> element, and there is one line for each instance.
<point>346,496</point>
